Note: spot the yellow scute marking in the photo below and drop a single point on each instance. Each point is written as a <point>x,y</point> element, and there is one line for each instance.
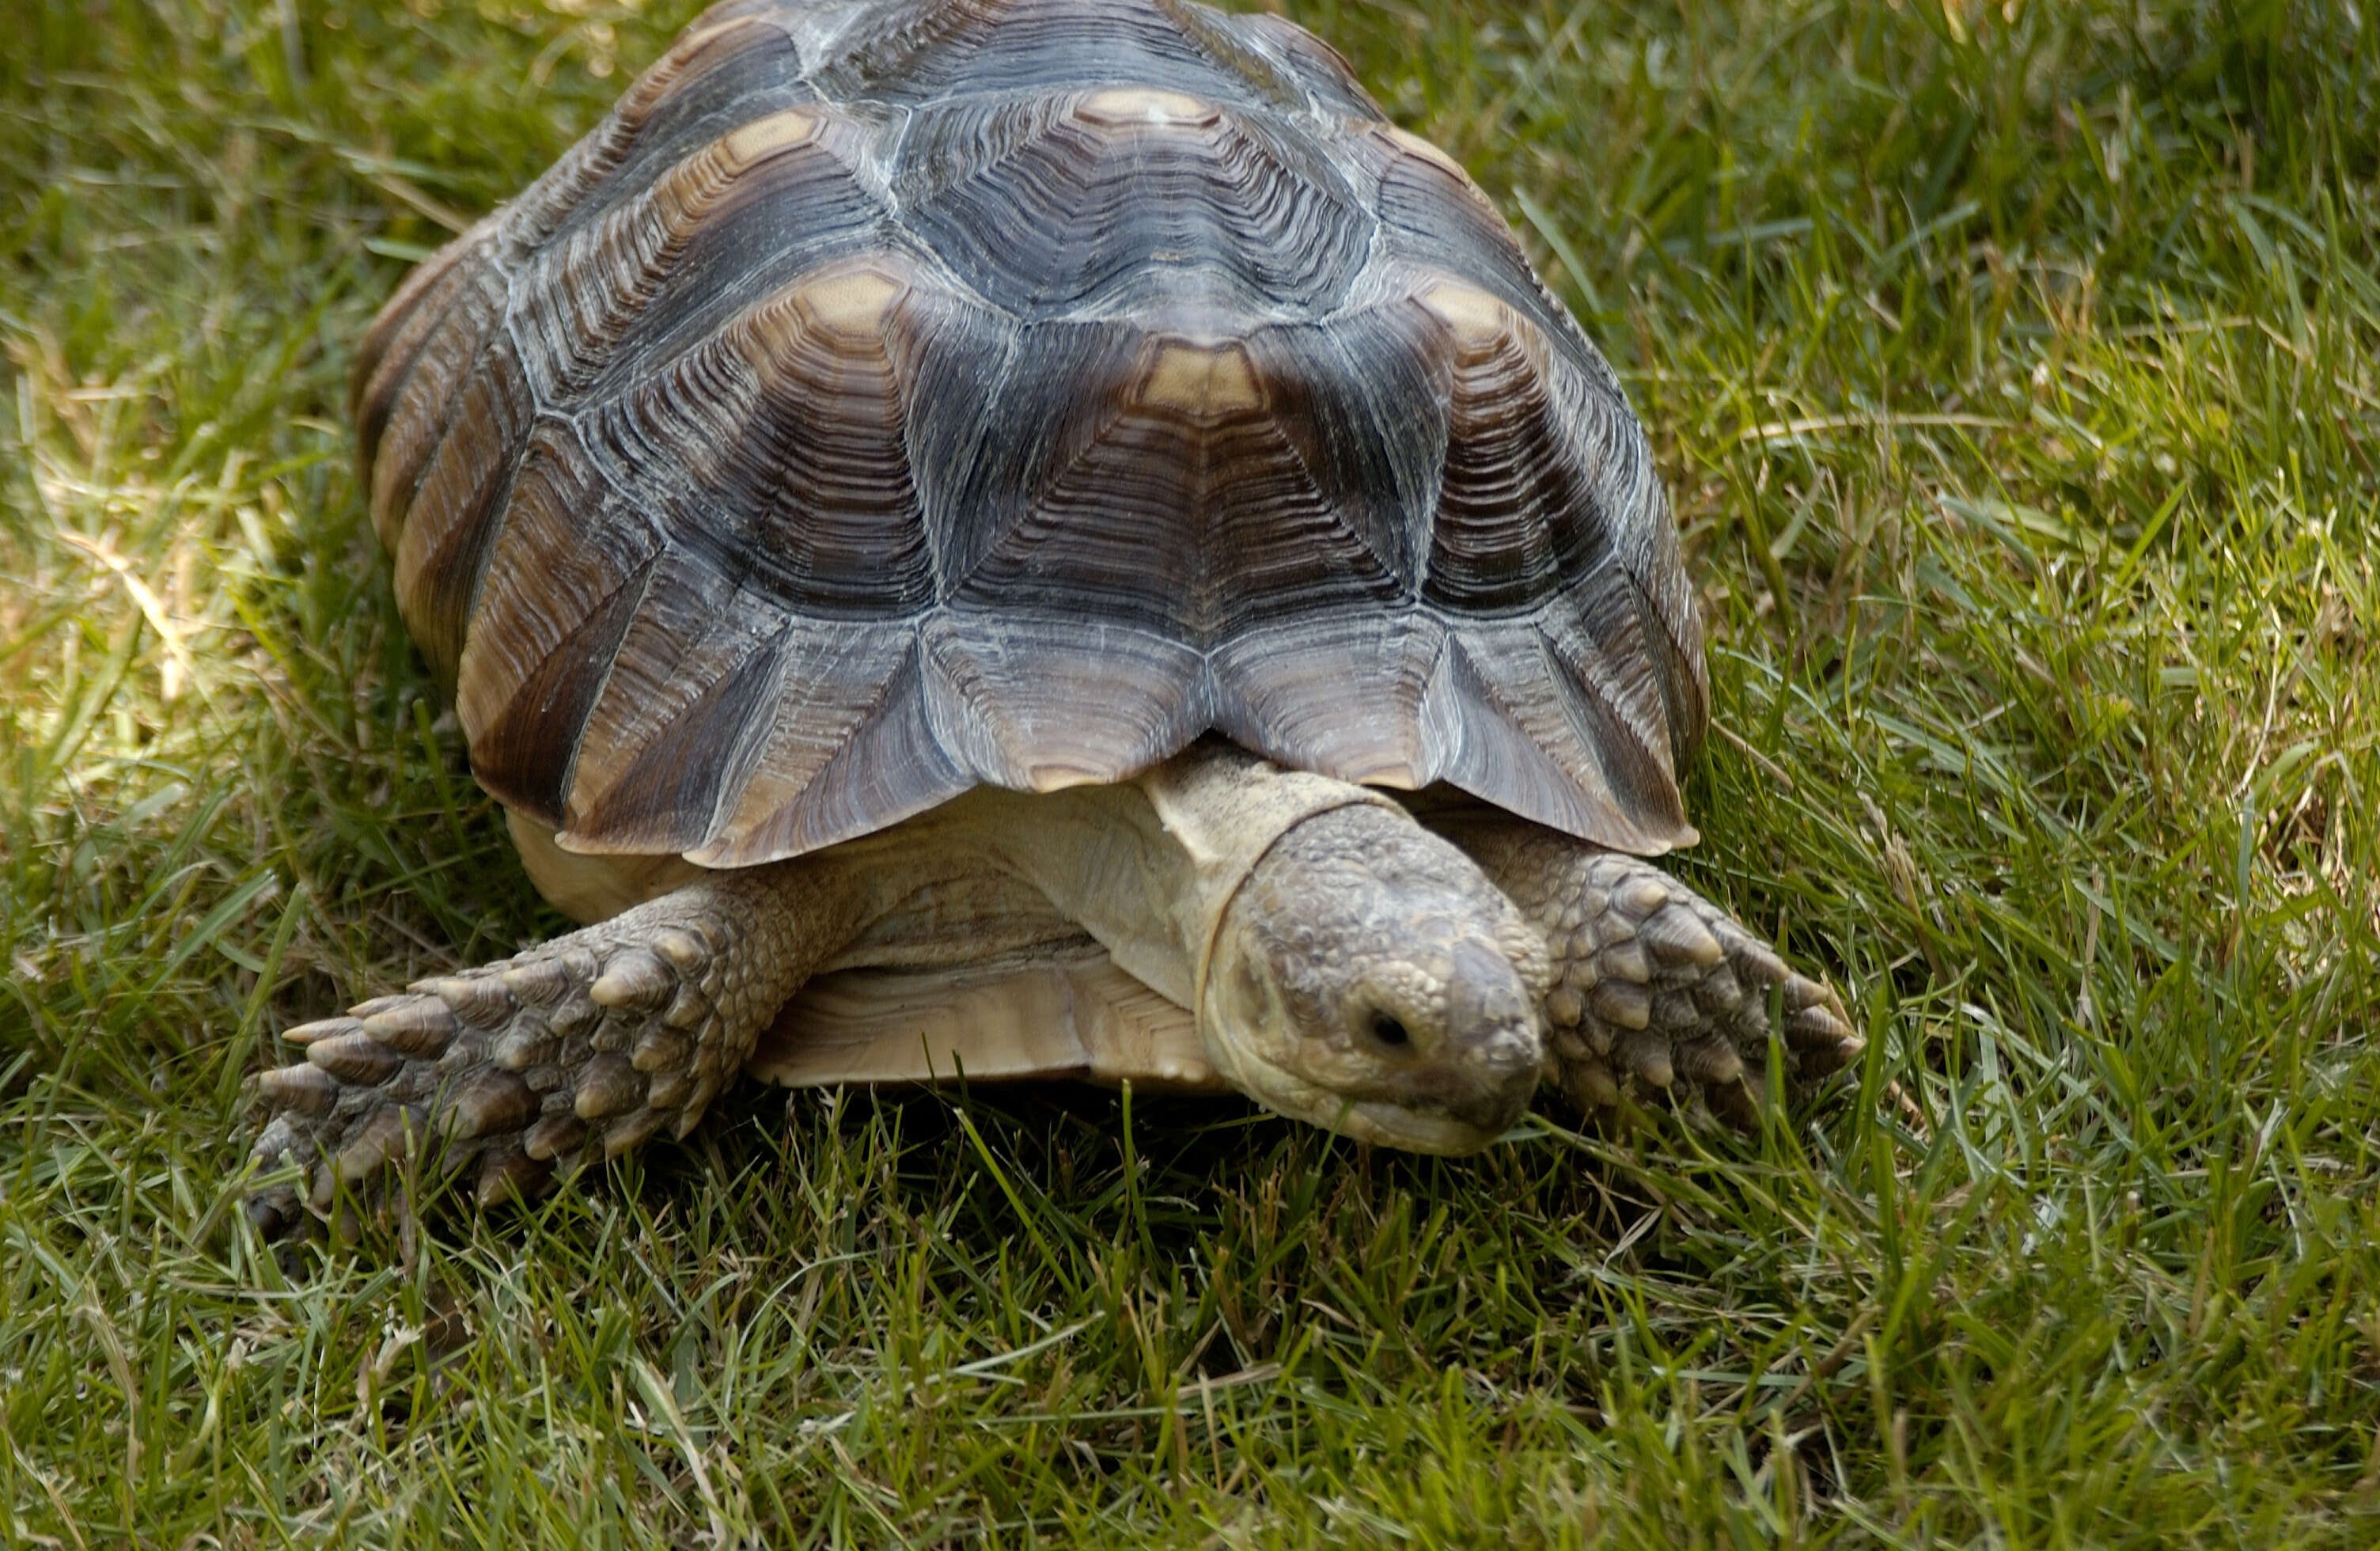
<point>1397,776</point>
<point>1428,151</point>
<point>1058,777</point>
<point>691,43</point>
<point>1476,317</point>
<point>1201,379</point>
<point>1140,104</point>
<point>853,303</point>
<point>751,142</point>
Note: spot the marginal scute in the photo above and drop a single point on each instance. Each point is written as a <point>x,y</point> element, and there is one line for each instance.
<point>422,396</point>
<point>848,751</point>
<point>384,365</point>
<point>1030,710</point>
<point>660,744</point>
<point>519,694</point>
<point>1355,686</point>
<point>456,503</point>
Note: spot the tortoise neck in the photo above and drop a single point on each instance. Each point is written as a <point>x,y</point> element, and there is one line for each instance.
<point>1148,866</point>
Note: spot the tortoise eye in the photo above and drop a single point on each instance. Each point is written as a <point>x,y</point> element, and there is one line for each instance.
<point>1389,1031</point>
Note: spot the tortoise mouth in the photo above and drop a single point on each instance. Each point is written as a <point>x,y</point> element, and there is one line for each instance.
<point>1416,1130</point>
<point>1451,1126</point>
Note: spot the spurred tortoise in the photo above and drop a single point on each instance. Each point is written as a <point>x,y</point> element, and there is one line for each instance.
<point>944,521</point>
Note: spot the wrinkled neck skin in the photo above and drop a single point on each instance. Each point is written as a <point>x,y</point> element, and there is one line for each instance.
<point>1150,866</point>
<point>1346,967</point>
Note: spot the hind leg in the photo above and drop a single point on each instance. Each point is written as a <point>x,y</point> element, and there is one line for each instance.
<point>1653,985</point>
<point>577,1049</point>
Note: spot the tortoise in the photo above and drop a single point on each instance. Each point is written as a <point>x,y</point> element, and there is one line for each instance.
<point>1032,536</point>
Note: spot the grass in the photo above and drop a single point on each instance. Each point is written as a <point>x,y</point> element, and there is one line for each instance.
<point>2012,370</point>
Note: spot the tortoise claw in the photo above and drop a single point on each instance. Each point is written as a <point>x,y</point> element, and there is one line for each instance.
<point>631,1025</point>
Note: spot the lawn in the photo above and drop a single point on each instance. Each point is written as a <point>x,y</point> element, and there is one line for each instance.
<point>2012,371</point>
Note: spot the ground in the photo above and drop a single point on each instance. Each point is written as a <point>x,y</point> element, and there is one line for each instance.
<point>2012,368</point>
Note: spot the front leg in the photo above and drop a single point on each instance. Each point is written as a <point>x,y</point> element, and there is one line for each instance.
<point>579,1048</point>
<point>1652,982</point>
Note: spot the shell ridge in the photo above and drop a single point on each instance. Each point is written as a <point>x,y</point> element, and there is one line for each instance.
<point>890,747</point>
<point>602,682</point>
<point>1601,735</point>
<point>1222,44</point>
<point>1094,701</point>
<point>606,622</point>
<point>407,443</point>
<point>1579,659</point>
<point>835,679</point>
<point>696,742</point>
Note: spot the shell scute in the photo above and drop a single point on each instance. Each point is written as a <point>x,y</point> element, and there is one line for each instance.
<point>564,577</point>
<point>738,70</point>
<point>1175,489</point>
<point>1516,514</point>
<point>613,290</point>
<point>725,69</point>
<point>781,447</point>
<point>1131,199</point>
<point>457,503</point>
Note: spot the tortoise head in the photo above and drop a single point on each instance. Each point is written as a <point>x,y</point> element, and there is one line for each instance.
<point>1369,978</point>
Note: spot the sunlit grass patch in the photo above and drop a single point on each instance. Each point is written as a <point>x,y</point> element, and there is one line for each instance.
<point>2011,370</point>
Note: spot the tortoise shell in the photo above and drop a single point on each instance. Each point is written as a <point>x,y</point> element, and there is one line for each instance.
<point>895,396</point>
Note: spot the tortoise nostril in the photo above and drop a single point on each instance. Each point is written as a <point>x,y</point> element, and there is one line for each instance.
<point>1389,1031</point>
